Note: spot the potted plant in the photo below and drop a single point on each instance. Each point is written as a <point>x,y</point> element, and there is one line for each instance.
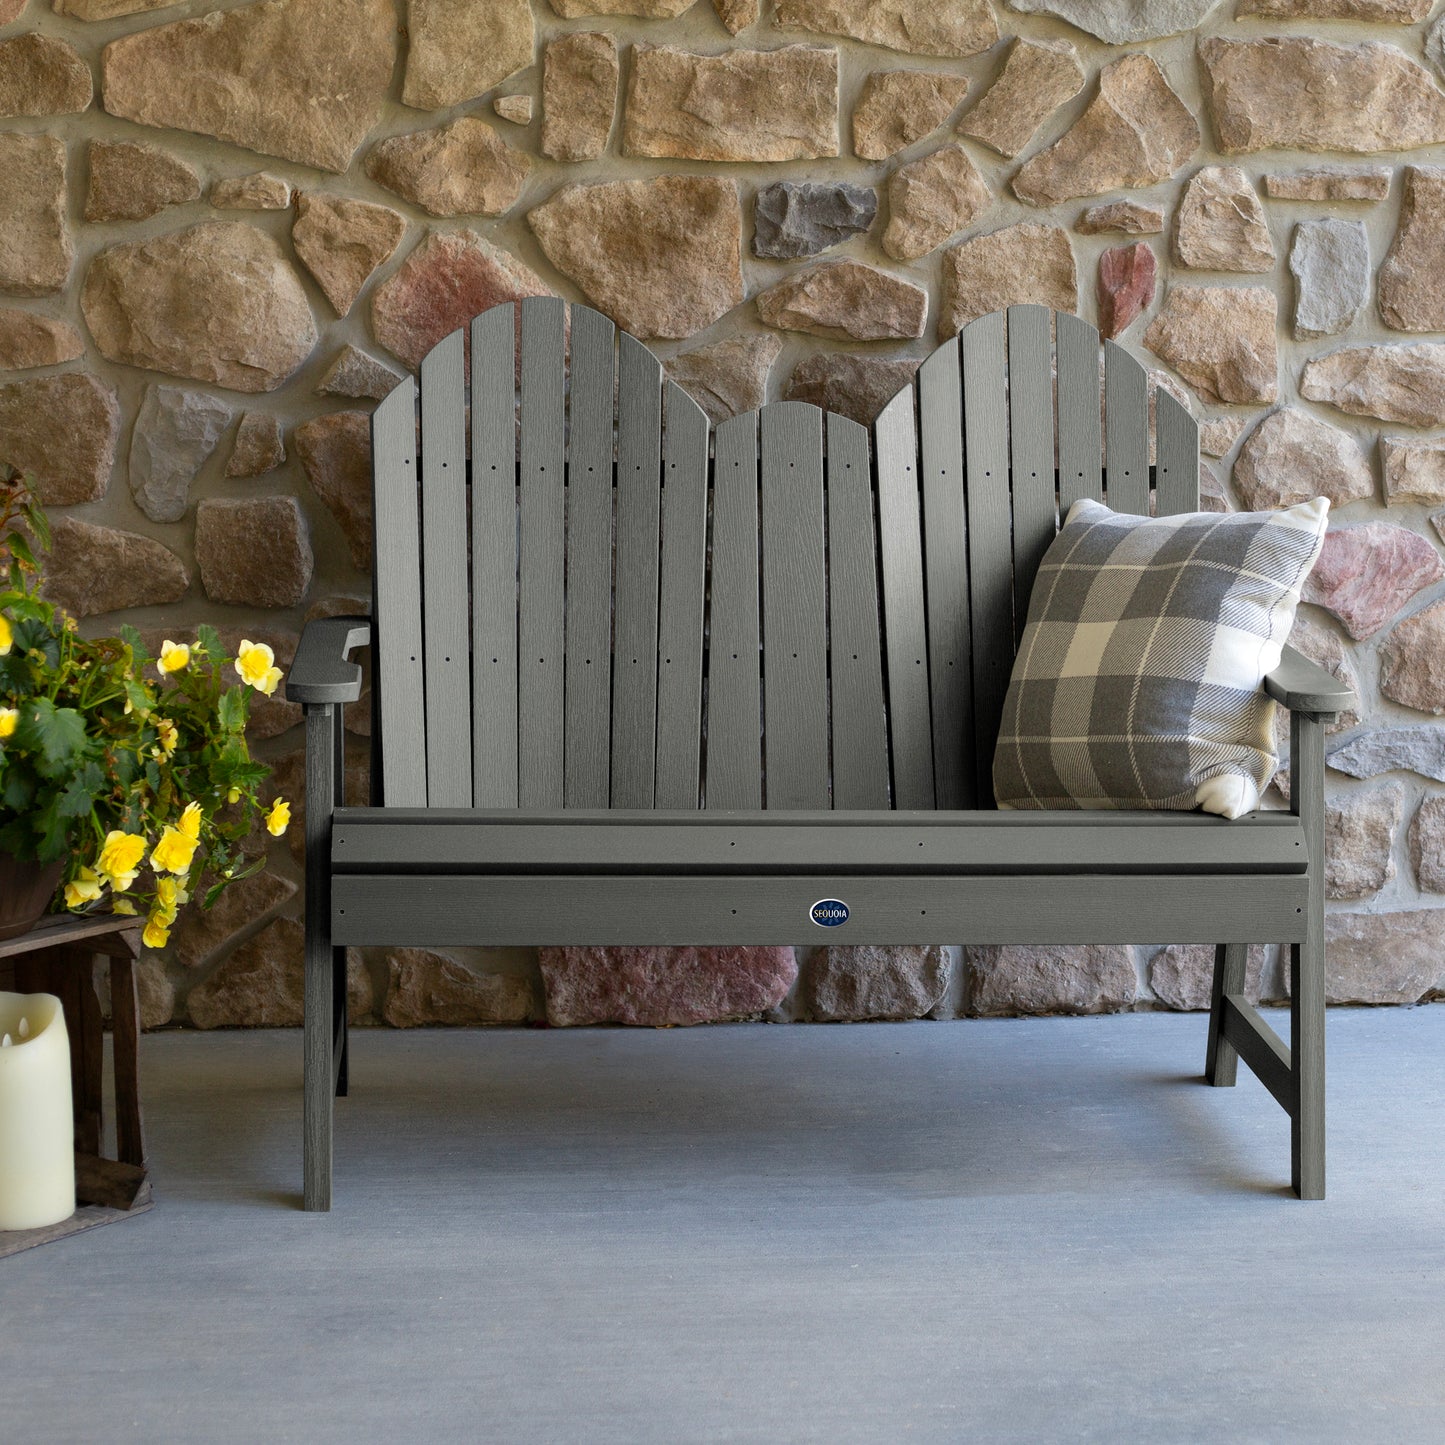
<point>125,779</point>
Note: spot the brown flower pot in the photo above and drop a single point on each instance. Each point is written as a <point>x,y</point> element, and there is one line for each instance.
<point>25,892</point>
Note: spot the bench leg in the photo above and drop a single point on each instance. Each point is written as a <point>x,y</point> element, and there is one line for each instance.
<point>318,1069</point>
<point>320,980</point>
<point>1307,965</point>
<point>1221,1062</point>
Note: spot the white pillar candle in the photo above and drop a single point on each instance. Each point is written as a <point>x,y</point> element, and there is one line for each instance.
<point>37,1127</point>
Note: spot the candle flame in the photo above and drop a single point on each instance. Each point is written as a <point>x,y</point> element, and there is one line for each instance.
<point>24,1029</point>
<point>5,1042</point>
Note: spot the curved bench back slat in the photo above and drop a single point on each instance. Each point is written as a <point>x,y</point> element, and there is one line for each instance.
<point>611,604</point>
<point>494,563</point>
<point>593,381</point>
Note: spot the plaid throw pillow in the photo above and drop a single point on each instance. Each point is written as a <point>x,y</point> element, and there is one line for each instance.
<point>1137,682</point>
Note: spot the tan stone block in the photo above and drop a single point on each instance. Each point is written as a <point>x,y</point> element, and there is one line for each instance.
<point>258,447</point>
<point>1292,456</point>
<point>1295,92</point>
<point>1135,131</point>
<point>579,95</point>
<point>42,75</point>
<point>130,180</point>
<point>728,377</point>
<point>430,988</point>
<point>62,430</point>
<point>253,551</point>
<point>335,454</point>
<point>661,257</point>
<point>1221,340</point>
<point>1087,979</point>
<point>919,27</point>
<point>744,105</point>
<point>342,242</point>
<point>300,79</point>
<point>898,107</point>
<point>256,192</point>
<point>458,49</point>
<point>846,300</point>
<point>464,168</point>
<point>1037,78</point>
<point>95,569</point>
<point>28,339</point>
<point>1220,223</point>
<point>1028,262</point>
<point>217,301</point>
<point>931,199</point>
<point>35,247</point>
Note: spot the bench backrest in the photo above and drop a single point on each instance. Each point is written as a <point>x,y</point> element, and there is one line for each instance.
<point>586,597</point>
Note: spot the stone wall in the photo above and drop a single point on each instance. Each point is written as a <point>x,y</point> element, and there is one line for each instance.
<point>225,232</point>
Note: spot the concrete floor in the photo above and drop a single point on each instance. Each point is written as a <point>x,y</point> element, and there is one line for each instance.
<point>1003,1230</point>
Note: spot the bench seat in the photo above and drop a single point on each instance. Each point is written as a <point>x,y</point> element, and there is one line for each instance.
<point>442,877</point>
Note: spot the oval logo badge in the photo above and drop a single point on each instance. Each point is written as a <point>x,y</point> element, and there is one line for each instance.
<point>829,912</point>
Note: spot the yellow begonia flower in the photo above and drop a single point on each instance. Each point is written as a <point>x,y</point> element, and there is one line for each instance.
<point>7,637</point>
<point>120,857</point>
<point>9,721</point>
<point>256,664</point>
<point>166,738</point>
<point>157,933</point>
<point>279,818</point>
<point>174,656</point>
<point>190,823</point>
<point>122,905</point>
<point>174,852</point>
<point>85,887</point>
<point>233,795</point>
<point>169,897</point>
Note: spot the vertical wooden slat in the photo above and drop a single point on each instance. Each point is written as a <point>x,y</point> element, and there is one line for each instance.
<point>1081,449</point>
<point>1126,422</point>
<point>945,552</point>
<point>679,628</point>
<point>494,558</point>
<point>541,519</point>
<point>1031,449</point>
<point>990,543</point>
<point>396,549</point>
<point>634,682</point>
<point>589,557</point>
<point>895,454</point>
<point>795,679</point>
<point>1176,457</point>
<point>444,576</point>
<point>860,727</point>
<point>734,708</point>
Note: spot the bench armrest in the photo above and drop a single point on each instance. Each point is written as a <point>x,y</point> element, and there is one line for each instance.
<point>321,672</point>
<point>1304,686</point>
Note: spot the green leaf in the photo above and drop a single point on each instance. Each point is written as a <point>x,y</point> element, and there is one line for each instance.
<point>19,790</point>
<point>138,651</point>
<point>20,548</point>
<point>232,710</point>
<point>210,641</point>
<point>56,733</point>
<point>39,524</point>
<point>79,794</point>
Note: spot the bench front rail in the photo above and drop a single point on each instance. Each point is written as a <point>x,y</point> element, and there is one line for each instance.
<point>640,682</point>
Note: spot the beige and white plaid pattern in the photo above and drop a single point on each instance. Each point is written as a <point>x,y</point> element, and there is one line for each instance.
<point>1138,679</point>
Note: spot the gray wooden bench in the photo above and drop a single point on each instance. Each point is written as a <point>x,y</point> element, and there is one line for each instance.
<point>643,681</point>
